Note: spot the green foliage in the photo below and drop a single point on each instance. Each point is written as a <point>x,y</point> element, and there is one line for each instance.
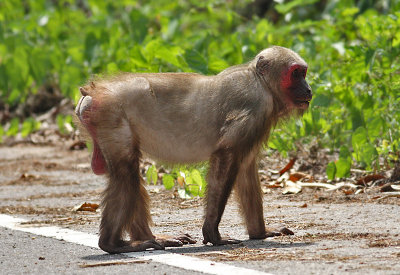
<point>168,181</point>
<point>29,126</point>
<point>151,175</point>
<point>64,123</point>
<point>188,180</point>
<point>14,127</point>
<point>1,133</point>
<point>352,48</point>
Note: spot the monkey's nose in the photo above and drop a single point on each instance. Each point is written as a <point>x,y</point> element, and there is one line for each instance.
<point>309,92</point>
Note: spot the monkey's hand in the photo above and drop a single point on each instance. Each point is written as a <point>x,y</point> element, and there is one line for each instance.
<point>272,232</point>
<point>169,241</point>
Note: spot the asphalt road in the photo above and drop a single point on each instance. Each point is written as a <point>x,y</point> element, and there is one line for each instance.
<point>40,232</point>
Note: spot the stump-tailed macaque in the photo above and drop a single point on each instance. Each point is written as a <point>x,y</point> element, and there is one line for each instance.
<point>188,118</point>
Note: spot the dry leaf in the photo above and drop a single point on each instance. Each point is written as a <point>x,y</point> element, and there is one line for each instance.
<point>288,166</point>
<point>296,176</point>
<point>369,178</point>
<point>91,207</point>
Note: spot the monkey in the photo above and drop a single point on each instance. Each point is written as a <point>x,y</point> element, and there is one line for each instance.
<point>186,118</point>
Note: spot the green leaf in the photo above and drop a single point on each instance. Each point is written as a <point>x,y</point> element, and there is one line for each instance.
<point>14,127</point>
<point>29,126</point>
<point>321,100</point>
<point>152,175</point>
<point>331,170</point>
<point>359,137</point>
<point>14,96</point>
<point>112,68</point>
<point>196,61</point>
<point>344,152</point>
<point>195,183</point>
<point>356,117</point>
<point>343,166</point>
<point>375,127</point>
<point>91,44</point>
<point>369,154</point>
<point>170,54</point>
<point>138,25</point>
<point>168,181</point>
<point>359,140</point>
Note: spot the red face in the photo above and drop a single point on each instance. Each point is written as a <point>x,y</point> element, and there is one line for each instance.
<point>298,92</point>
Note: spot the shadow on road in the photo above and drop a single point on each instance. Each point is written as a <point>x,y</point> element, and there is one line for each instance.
<point>189,249</point>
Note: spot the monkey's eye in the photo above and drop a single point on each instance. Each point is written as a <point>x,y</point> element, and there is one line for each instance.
<point>296,73</point>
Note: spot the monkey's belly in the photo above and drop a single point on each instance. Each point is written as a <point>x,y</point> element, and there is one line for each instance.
<point>175,149</point>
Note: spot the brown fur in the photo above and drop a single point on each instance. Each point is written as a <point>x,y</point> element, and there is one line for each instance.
<point>187,118</point>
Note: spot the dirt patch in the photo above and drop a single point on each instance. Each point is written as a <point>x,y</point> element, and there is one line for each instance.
<point>264,254</point>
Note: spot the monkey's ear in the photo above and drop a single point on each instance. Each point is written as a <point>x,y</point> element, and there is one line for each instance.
<point>262,65</point>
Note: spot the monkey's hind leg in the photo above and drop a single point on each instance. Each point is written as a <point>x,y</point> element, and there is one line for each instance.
<point>125,200</point>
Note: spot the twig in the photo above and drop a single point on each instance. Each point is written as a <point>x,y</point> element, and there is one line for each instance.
<point>114,263</point>
<point>390,195</point>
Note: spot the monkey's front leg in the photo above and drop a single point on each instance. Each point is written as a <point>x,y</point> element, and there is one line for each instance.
<point>222,174</point>
<point>249,192</point>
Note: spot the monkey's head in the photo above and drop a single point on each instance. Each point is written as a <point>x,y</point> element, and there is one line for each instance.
<point>284,71</point>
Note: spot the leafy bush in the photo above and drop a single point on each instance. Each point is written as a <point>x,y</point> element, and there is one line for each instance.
<point>352,47</point>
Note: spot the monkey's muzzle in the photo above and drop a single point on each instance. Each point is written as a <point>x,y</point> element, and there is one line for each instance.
<point>84,103</point>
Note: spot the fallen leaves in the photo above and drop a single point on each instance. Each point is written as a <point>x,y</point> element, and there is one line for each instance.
<point>295,182</point>
<point>91,207</point>
<point>288,166</point>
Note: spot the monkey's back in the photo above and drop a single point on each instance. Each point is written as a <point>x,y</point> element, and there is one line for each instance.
<point>182,117</point>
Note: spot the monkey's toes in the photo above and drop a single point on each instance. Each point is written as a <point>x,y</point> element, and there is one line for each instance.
<point>223,242</point>
<point>149,244</point>
<point>228,241</point>
<point>186,239</point>
<point>272,232</point>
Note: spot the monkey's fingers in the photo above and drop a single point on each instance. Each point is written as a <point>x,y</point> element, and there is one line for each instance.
<point>186,239</point>
<point>286,231</point>
<point>272,232</point>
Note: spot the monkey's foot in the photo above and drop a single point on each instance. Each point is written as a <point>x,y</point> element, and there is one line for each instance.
<point>168,241</point>
<point>223,242</point>
<point>135,246</point>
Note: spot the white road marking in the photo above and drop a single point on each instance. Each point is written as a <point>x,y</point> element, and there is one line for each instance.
<point>160,256</point>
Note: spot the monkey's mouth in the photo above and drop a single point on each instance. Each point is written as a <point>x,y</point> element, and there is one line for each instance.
<point>302,104</point>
